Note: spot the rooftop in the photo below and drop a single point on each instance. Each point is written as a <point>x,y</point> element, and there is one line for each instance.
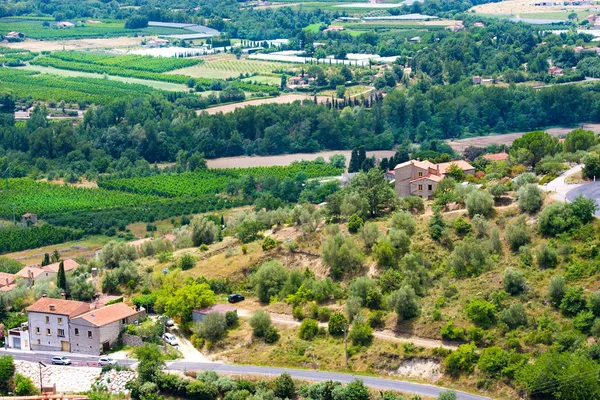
<point>460,163</point>
<point>70,265</point>
<point>496,157</point>
<point>59,306</point>
<point>109,314</point>
<point>32,272</point>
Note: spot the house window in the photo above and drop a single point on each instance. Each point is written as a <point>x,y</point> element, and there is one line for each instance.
<point>59,320</point>
<point>89,334</point>
<point>420,188</point>
<point>39,341</point>
<point>420,174</point>
<point>124,321</point>
<point>47,319</point>
<point>429,187</point>
<point>48,331</point>
<point>37,330</point>
<point>61,333</point>
<point>76,332</point>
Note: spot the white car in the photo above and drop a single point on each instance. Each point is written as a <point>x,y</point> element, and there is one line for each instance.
<point>171,339</point>
<point>107,361</point>
<point>61,360</point>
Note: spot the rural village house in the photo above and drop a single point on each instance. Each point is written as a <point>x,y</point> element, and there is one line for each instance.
<point>420,178</point>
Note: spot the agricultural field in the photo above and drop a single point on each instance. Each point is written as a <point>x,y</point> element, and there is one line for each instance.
<point>34,29</point>
<point>527,9</point>
<point>76,44</point>
<point>210,181</point>
<point>285,99</point>
<point>263,80</point>
<point>352,91</point>
<point>42,198</point>
<point>24,83</point>
<point>223,66</point>
<point>160,85</point>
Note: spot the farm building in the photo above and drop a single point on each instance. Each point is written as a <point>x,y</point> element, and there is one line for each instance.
<point>157,43</point>
<point>12,35</point>
<point>556,71</point>
<point>332,28</point>
<point>476,80</point>
<point>420,178</point>
<point>28,219</point>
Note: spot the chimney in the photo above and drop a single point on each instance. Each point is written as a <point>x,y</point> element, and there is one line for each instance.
<point>6,281</point>
<point>52,307</point>
<point>63,296</point>
<point>30,274</point>
<point>44,295</point>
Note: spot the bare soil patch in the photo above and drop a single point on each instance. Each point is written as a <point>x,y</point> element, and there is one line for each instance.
<point>516,7</point>
<point>285,159</point>
<point>483,141</point>
<point>75,44</point>
<point>290,98</point>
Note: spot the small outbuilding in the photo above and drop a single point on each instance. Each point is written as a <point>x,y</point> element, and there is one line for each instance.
<point>200,314</point>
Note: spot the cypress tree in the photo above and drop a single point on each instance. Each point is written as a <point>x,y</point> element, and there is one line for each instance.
<point>61,278</point>
<point>362,156</point>
<point>354,164</point>
<point>46,260</point>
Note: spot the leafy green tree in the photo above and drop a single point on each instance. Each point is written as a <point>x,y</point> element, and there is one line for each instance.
<point>309,328</point>
<point>375,189</point>
<point>249,230</point>
<point>80,288</point>
<point>557,290</point>
<point>513,281</point>
<point>405,303</point>
<point>110,282</point>
<point>355,223</point>
<point>462,359</point>
<point>546,256</point>
<point>186,261</point>
<point>114,252</point>
<point>24,385</point>
<point>361,334</point>
<point>579,139</point>
<point>517,234</point>
<point>260,323</point>
<point>204,231</point>
<point>356,390</point>
<point>150,362</point>
<point>369,234</point>
<point>61,277</point>
<point>7,370</point>
<point>479,203</point>
<point>481,312</point>
<point>269,280</point>
<point>538,143</point>
<point>591,168</point>
<point>337,324</point>
<point>498,190</point>
<point>530,198</point>
<point>403,221</point>
<point>573,301</point>
<point>341,255</point>
<point>514,316</point>
<point>185,299</point>
<point>212,327</point>
<point>285,387</point>
<point>198,390</point>
<point>455,172</point>
<point>468,259</point>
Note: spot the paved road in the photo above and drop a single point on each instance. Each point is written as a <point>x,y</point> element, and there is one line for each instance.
<point>559,187</point>
<point>590,190</point>
<point>317,376</point>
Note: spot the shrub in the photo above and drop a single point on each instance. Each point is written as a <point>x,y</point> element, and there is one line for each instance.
<point>513,281</point>
<point>268,280</point>
<point>355,223</point>
<point>231,318</point>
<point>514,316</point>
<point>481,312</point>
<point>517,234</point>
<point>341,255</point>
<point>594,303</point>
<point>212,327</point>
<point>376,319</point>
<point>405,303</point>
<point>530,198</point>
<point>309,328</point>
<point>369,234</point>
<point>225,384</point>
<point>285,387</point>
<point>260,323</point>
<point>24,386</point>
<point>353,307</point>
<point>404,221</point>
<point>497,362</point>
<point>298,312</point>
<point>337,324</point>
<point>498,190</point>
<point>573,301</point>
<point>469,258</point>
<point>7,370</point>
<point>323,314</point>
<point>461,226</point>
<point>452,332</point>
<point>462,359</point>
<point>557,290</point>
<point>186,262</point>
<point>269,243</point>
<point>202,391</point>
<point>480,225</point>
<point>479,202</point>
<point>546,256</point>
<point>271,335</point>
<point>361,334</point>
<point>584,321</point>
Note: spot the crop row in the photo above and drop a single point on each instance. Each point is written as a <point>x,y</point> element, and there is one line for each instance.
<point>22,83</point>
<point>43,198</point>
<point>243,66</point>
<point>135,62</point>
<point>211,180</point>
<point>21,238</point>
<point>9,50</point>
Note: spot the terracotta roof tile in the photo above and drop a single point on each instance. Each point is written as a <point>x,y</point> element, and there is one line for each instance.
<point>70,265</point>
<point>461,163</point>
<point>59,306</point>
<point>4,277</point>
<point>496,157</point>
<point>106,315</point>
<point>35,272</point>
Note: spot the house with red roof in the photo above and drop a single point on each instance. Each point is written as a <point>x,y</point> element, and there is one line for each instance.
<point>420,178</point>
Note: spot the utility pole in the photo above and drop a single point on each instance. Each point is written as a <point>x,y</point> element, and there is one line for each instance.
<point>346,344</point>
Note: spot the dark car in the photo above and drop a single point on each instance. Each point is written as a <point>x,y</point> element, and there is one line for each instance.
<point>235,298</point>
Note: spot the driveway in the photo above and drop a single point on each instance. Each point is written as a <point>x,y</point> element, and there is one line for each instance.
<point>559,187</point>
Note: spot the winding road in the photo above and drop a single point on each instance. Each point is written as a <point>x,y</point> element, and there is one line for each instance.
<point>316,376</point>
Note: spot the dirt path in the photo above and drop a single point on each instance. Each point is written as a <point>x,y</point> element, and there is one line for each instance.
<point>75,44</point>
<point>387,334</point>
<point>285,99</point>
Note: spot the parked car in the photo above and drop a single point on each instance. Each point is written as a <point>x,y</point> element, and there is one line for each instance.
<point>235,298</point>
<point>61,360</point>
<point>170,338</point>
<point>169,322</point>
<point>107,361</point>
